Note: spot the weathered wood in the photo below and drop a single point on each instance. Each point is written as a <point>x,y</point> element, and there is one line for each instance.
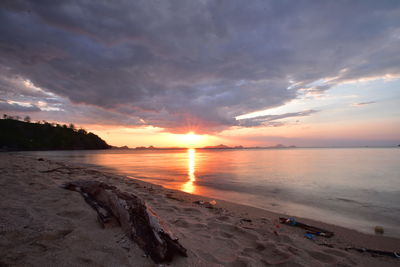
<point>136,218</point>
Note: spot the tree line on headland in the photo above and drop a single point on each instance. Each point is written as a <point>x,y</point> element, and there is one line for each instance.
<point>17,135</point>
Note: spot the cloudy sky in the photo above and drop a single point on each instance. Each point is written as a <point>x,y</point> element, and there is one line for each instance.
<point>306,73</point>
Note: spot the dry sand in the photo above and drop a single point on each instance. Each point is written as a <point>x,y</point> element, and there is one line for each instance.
<point>42,224</point>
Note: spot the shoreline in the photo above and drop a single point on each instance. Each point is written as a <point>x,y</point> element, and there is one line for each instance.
<point>331,201</point>
<point>234,234</point>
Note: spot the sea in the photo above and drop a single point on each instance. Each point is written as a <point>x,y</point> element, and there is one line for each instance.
<point>357,188</point>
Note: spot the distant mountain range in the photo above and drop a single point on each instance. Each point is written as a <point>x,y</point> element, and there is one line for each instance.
<point>221,146</point>
<point>242,147</point>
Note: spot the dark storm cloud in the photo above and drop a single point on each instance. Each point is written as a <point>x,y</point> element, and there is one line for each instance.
<point>15,107</point>
<point>194,64</point>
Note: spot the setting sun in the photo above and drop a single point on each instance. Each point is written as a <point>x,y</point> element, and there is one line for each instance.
<point>191,139</point>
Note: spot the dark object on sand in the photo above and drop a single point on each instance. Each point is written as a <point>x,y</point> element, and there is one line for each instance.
<point>379,230</point>
<point>207,204</point>
<point>310,229</point>
<point>309,236</point>
<point>40,159</point>
<point>376,252</point>
<point>137,219</point>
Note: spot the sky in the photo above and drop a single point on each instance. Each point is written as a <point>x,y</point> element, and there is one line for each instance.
<point>197,73</point>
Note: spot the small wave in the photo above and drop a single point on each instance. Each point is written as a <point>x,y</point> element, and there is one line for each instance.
<point>349,200</point>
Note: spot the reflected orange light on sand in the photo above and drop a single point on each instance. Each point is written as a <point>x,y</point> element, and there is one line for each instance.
<point>189,186</point>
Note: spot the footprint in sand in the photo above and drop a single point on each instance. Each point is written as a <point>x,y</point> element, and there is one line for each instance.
<point>243,261</point>
<point>56,234</point>
<point>207,236</point>
<point>293,250</point>
<point>341,254</point>
<point>192,210</point>
<point>180,223</point>
<point>209,256</point>
<point>283,238</point>
<point>225,234</point>
<point>323,257</point>
<point>335,252</point>
<point>168,209</point>
<point>235,230</point>
<point>276,257</point>
<point>223,218</point>
<point>72,214</point>
<point>199,226</point>
<point>86,261</point>
<point>227,242</point>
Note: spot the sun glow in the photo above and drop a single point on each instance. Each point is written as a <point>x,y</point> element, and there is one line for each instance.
<point>191,139</point>
<point>189,186</point>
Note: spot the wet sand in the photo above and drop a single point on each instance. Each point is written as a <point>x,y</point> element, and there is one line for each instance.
<point>42,224</point>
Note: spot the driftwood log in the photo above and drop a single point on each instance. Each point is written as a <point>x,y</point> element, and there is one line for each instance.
<point>136,218</point>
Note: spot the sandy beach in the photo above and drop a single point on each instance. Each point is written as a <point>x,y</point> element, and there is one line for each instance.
<point>42,224</point>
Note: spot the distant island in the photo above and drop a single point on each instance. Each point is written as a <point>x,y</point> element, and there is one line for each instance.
<point>221,146</point>
<point>225,147</point>
<point>242,147</point>
<point>17,135</point>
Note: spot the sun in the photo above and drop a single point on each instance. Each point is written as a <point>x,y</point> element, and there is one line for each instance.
<point>191,139</point>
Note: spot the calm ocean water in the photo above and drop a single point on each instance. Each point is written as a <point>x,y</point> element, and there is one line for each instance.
<point>358,188</point>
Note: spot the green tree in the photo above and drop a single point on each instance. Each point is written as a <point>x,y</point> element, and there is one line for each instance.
<point>82,131</point>
<point>22,135</point>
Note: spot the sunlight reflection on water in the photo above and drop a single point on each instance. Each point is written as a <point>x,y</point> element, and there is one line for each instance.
<point>189,186</point>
